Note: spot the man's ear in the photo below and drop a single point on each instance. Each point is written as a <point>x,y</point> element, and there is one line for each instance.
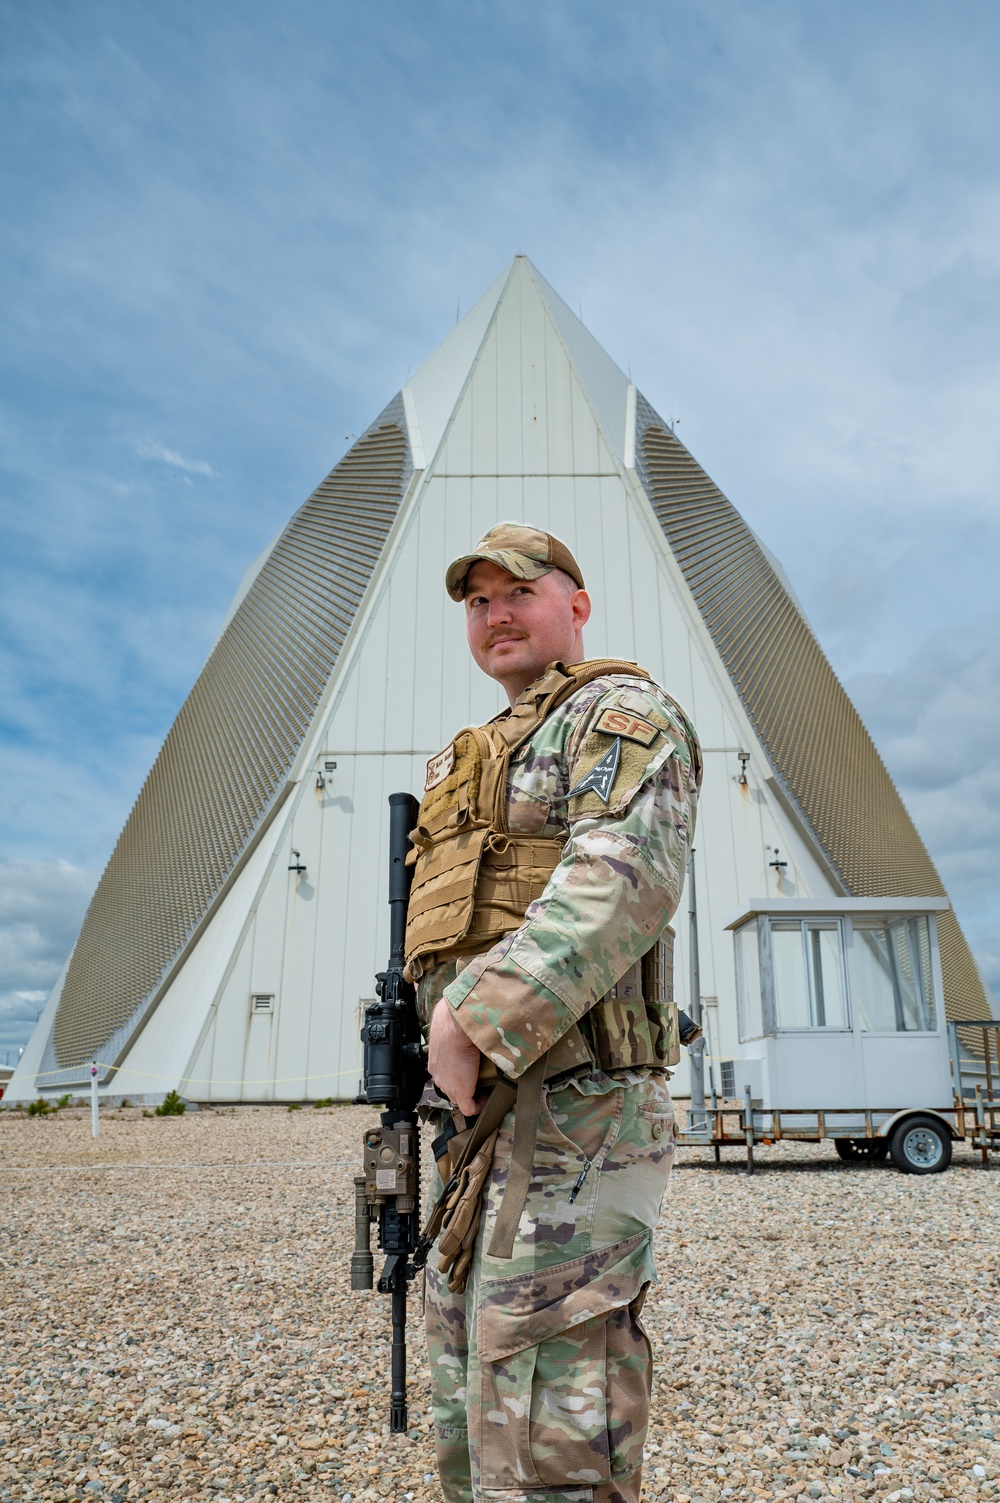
<point>580,603</point>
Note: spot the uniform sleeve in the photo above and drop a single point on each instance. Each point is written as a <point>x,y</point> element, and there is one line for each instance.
<point>612,894</point>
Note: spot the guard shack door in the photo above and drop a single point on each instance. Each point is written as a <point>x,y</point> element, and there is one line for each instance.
<point>840,1004</point>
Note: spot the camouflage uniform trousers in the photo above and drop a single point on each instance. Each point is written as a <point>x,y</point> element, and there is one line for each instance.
<point>541,1372</point>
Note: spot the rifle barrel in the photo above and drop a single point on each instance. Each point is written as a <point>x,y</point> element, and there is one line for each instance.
<point>398,1415</point>
<point>403,811</point>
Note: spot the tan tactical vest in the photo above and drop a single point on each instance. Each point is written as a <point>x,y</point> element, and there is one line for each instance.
<point>474,879</point>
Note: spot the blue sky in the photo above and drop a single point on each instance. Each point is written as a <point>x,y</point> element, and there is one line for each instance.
<point>230,230</point>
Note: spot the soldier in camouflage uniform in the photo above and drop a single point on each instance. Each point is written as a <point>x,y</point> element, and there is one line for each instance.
<point>540,1369</point>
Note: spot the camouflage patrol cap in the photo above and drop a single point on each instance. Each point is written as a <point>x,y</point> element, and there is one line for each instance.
<point>526,552</point>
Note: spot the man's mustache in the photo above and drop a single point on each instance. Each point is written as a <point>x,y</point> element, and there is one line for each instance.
<point>505,635</point>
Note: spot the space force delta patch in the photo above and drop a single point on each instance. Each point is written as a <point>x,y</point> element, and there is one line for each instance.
<point>600,779</point>
<point>621,723</point>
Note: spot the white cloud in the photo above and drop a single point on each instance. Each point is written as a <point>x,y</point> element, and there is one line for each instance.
<point>148,448</point>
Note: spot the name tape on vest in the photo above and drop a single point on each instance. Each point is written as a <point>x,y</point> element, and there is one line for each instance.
<point>439,767</point>
<point>621,723</point>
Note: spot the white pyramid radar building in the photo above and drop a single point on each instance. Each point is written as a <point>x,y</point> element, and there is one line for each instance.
<point>243,914</point>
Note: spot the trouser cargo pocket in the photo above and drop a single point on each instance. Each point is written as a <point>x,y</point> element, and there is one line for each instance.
<point>564,1371</point>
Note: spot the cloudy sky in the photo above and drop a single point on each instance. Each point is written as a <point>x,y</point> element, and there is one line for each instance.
<point>231,230</point>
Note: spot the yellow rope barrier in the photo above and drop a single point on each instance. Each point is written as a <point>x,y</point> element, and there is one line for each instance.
<point>194,1079</point>
<point>211,1081</point>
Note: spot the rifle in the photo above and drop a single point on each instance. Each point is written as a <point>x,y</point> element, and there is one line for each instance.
<point>394,1074</point>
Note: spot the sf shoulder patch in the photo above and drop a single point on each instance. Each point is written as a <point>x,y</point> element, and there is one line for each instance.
<point>632,727</point>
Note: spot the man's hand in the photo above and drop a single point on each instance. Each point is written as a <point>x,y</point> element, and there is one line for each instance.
<point>453,1060</point>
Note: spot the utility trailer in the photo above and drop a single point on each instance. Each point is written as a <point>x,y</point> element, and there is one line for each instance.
<point>843,1036</point>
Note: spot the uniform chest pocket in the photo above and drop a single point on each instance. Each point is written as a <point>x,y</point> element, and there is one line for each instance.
<point>527,813</point>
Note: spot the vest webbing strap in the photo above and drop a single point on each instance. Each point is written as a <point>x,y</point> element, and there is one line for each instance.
<point>522,1157</point>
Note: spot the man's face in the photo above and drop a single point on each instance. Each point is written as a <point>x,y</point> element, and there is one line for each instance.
<point>516,627</point>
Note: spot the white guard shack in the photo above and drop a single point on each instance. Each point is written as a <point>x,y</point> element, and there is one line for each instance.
<point>842,1029</point>
<point>242,916</point>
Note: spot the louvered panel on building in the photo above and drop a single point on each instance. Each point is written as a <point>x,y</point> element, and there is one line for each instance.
<point>228,755</point>
<point>815,740</point>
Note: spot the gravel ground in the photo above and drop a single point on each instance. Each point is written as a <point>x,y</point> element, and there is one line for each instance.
<point>177,1322</point>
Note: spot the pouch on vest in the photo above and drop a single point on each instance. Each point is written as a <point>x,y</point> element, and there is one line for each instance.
<point>448,846</point>
<point>635,1026</point>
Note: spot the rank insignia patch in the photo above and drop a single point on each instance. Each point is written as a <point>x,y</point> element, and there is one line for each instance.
<point>632,727</point>
<point>600,779</point>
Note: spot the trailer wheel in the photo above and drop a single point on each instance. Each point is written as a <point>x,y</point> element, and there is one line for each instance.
<point>921,1145</point>
<point>862,1150</point>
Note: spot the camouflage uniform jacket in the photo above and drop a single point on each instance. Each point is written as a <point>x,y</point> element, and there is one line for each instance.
<point>619,879</point>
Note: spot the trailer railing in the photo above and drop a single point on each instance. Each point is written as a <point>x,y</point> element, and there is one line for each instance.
<point>975,1068</point>
<point>973,1115</point>
<point>749,1125</point>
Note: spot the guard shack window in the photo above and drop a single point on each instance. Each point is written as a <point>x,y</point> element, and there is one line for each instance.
<point>748,988</point>
<point>892,964</point>
<point>811,971</point>
<point>807,973</point>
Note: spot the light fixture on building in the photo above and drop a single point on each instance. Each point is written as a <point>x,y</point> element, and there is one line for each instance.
<point>744,757</point>
<point>298,865</point>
